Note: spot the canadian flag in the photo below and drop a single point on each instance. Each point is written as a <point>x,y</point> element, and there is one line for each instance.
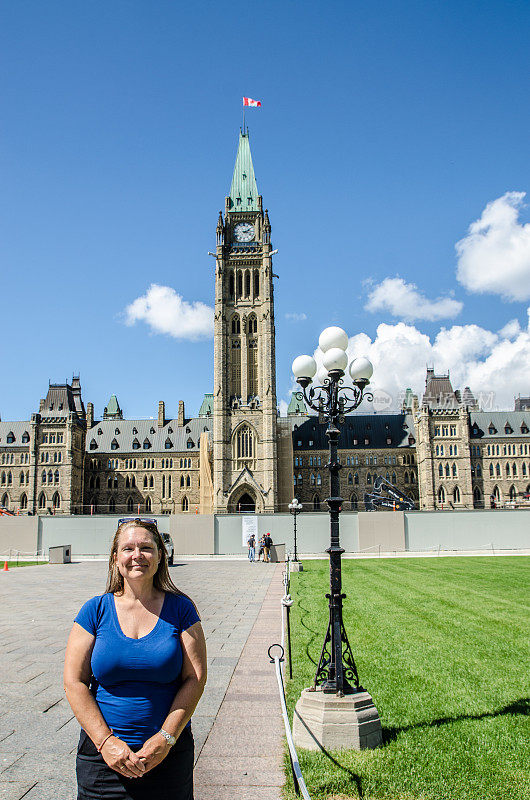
<point>248,101</point>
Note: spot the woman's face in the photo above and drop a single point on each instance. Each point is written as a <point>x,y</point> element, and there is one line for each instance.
<point>137,556</point>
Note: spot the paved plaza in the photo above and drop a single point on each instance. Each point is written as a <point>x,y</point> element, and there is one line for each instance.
<point>239,606</point>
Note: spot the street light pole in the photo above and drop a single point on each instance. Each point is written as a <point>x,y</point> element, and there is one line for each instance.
<point>295,507</point>
<point>336,672</point>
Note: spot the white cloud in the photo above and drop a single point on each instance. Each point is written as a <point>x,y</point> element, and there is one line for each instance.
<point>165,311</point>
<point>283,406</point>
<point>494,257</point>
<point>495,365</point>
<point>405,301</point>
<point>294,317</point>
<point>511,329</point>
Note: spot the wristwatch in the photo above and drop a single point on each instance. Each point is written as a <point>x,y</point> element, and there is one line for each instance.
<point>168,737</point>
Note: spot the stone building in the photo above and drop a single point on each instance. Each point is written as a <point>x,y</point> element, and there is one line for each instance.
<point>42,459</point>
<point>238,454</point>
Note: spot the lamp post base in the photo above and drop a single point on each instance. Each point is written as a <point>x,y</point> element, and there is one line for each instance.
<point>336,723</point>
<point>297,566</point>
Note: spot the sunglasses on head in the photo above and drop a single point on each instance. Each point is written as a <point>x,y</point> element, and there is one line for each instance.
<point>138,519</point>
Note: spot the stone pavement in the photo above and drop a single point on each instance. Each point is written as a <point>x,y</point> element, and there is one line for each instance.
<point>242,758</point>
<point>38,733</point>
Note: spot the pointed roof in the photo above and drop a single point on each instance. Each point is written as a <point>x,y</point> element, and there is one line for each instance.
<point>206,409</point>
<point>296,406</point>
<point>244,189</point>
<point>439,392</point>
<point>113,410</point>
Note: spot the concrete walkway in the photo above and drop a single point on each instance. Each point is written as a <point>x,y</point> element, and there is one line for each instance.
<point>243,754</point>
<point>38,733</point>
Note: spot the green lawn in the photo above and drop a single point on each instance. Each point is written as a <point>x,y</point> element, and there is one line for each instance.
<point>12,564</point>
<point>442,644</point>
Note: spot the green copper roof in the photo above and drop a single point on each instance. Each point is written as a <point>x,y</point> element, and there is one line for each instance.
<point>296,406</point>
<point>113,409</point>
<point>244,189</point>
<point>206,409</point>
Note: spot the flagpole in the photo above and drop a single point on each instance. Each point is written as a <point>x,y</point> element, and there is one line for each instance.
<point>243,118</point>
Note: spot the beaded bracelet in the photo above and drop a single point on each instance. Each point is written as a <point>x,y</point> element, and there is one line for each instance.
<point>99,749</point>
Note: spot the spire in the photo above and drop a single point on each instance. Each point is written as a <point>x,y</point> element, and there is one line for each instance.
<point>113,410</point>
<point>244,190</point>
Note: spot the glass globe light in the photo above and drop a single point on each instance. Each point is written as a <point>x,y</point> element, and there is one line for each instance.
<point>335,358</point>
<point>333,337</point>
<point>361,369</point>
<point>322,374</point>
<point>304,367</point>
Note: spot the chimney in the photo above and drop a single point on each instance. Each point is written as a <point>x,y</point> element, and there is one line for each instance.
<point>89,415</point>
<point>180,420</point>
<point>161,414</point>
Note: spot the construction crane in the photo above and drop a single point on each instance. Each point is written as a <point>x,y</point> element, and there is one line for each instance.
<point>393,498</point>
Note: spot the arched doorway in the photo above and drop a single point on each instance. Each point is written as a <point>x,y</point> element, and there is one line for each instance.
<point>243,501</point>
<point>246,504</point>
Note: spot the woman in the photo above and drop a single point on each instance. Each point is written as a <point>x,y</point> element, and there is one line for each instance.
<point>135,669</point>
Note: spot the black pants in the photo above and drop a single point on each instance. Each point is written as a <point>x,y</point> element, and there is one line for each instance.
<point>172,779</point>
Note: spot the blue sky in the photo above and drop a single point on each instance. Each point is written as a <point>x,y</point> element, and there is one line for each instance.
<point>387,129</point>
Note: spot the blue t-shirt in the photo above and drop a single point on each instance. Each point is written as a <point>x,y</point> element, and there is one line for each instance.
<point>135,680</point>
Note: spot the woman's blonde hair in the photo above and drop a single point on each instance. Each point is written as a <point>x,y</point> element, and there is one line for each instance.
<point>161,579</point>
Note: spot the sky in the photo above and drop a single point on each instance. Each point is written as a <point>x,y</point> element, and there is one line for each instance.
<point>391,150</point>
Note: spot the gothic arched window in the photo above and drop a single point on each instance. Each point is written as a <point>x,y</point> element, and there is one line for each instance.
<point>252,367</point>
<point>244,446</point>
<point>236,324</point>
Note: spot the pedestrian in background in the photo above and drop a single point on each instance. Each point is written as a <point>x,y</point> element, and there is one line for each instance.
<point>267,544</point>
<point>261,547</point>
<point>251,542</point>
<point>135,668</point>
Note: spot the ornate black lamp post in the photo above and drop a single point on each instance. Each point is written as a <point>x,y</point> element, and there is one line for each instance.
<point>295,507</point>
<point>336,672</point>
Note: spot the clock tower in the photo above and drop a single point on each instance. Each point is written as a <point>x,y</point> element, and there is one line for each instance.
<point>244,417</point>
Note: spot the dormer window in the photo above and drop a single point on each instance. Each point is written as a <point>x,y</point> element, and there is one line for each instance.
<point>508,429</point>
<point>25,437</point>
<point>170,430</point>
<point>388,440</point>
<point>135,431</point>
<point>151,430</point>
<point>93,444</point>
<point>114,445</point>
<point>168,444</point>
<point>524,429</point>
<point>492,430</point>
<point>135,444</point>
<point>147,444</point>
<point>60,406</point>
<point>188,429</point>
<point>10,437</point>
<point>99,431</point>
<point>117,432</point>
<point>189,444</point>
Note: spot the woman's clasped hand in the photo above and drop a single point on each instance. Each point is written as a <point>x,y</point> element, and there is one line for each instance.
<point>119,756</point>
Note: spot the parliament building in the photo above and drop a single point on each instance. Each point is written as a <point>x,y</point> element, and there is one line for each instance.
<point>238,454</point>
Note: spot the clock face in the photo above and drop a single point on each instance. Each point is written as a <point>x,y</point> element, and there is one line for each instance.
<point>244,232</point>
